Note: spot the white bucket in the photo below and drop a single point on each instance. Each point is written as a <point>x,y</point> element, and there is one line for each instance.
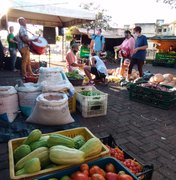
<point>27,97</point>
<point>8,103</point>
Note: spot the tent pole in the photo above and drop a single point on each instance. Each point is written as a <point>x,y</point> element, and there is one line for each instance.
<point>63,48</point>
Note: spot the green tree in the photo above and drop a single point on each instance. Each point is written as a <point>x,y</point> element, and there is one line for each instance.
<point>102,19</point>
<point>172,3</point>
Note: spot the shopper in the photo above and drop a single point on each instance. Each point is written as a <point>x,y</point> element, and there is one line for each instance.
<point>12,48</point>
<point>96,68</point>
<point>125,50</point>
<point>139,52</point>
<point>97,44</point>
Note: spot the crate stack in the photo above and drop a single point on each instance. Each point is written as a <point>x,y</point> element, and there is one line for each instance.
<point>91,106</point>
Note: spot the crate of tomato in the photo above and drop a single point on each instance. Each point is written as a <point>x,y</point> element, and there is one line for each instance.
<point>143,172</point>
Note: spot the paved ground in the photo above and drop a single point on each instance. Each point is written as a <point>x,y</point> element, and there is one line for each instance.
<point>147,132</point>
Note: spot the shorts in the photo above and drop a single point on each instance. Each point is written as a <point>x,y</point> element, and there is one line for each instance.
<point>98,74</point>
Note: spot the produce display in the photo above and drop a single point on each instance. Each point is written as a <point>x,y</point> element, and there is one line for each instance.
<point>74,75</point>
<point>165,79</point>
<point>131,164</point>
<point>38,152</point>
<point>89,93</point>
<point>95,172</point>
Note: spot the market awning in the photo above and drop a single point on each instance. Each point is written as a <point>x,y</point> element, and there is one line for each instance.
<point>164,42</point>
<point>48,15</point>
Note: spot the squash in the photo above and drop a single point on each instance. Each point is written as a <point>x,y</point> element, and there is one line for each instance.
<point>92,147</point>
<point>79,141</point>
<point>151,80</point>
<point>165,82</point>
<point>42,153</point>
<point>35,135</point>
<point>168,77</point>
<point>59,139</point>
<point>39,143</point>
<point>172,83</point>
<point>31,166</point>
<point>21,151</point>
<point>64,155</point>
<point>158,78</point>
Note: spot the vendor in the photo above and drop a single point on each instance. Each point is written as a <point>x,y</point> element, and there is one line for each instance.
<point>71,59</point>
<point>171,49</point>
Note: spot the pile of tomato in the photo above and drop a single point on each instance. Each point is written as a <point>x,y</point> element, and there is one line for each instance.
<point>131,164</point>
<point>97,173</point>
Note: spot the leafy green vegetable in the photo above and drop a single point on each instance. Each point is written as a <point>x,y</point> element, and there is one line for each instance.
<point>74,75</point>
<point>89,93</point>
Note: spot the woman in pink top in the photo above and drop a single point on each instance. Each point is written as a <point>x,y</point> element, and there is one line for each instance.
<point>125,49</point>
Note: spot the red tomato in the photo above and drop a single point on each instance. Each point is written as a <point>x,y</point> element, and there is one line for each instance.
<point>111,176</point>
<point>110,167</point>
<point>96,170</point>
<point>80,176</point>
<point>84,167</point>
<point>97,177</point>
<point>124,177</point>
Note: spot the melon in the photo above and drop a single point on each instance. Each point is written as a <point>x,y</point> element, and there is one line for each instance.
<point>158,78</point>
<point>168,77</point>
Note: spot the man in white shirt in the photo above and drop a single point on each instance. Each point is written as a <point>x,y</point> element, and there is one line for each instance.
<point>97,68</point>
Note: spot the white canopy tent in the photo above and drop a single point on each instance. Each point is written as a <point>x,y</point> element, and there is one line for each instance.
<point>48,15</point>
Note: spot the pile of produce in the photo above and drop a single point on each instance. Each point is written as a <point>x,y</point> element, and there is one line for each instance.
<point>41,152</point>
<point>74,75</point>
<point>89,93</point>
<point>131,164</point>
<point>166,79</point>
<point>97,173</point>
<point>156,87</point>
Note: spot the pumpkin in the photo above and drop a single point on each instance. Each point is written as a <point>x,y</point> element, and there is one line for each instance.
<point>172,83</point>
<point>158,78</point>
<point>165,82</point>
<point>168,77</point>
<point>151,80</point>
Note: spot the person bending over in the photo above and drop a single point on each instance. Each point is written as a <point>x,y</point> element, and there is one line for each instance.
<point>96,68</point>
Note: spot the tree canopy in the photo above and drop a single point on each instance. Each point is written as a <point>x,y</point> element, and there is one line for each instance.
<point>172,3</point>
<point>102,20</point>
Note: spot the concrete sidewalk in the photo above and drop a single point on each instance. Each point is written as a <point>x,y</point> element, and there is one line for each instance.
<point>146,132</point>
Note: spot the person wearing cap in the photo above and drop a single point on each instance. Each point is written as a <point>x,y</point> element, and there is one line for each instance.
<point>97,44</point>
<point>23,47</point>
<point>71,59</point>
<point>139,52</point>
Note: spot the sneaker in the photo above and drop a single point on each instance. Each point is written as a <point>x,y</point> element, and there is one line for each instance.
<point>90,83</point>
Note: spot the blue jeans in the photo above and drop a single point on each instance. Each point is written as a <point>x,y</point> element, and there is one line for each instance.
<point>13,55</point>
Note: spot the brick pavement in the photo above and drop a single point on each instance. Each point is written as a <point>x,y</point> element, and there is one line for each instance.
<point>146,132</point>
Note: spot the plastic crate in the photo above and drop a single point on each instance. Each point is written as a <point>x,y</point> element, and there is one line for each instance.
<point>163,64</point>
<point>147,171</point>
<point>84,52</point>
<point>13,144</point>
<point>100,162</point>
<point>153,97</point>
<point>72,103</point>
<point>91,106</point>
<point>32,79</point>
<point>76,82</point>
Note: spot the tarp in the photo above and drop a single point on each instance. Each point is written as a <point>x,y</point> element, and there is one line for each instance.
<point>164,42</point>
<point>48,15</point>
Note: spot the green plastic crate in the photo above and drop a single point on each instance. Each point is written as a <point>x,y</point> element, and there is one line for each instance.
<point>153,97</point>
<point>84,52</point>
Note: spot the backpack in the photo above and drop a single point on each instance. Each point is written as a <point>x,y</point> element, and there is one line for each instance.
<point>101,38</point>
